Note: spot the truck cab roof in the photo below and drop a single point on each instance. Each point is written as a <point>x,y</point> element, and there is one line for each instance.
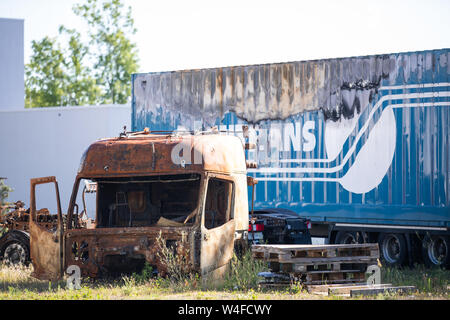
<point>148,154</point>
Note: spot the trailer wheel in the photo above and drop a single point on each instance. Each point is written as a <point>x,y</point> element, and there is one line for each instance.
<point>393,249</point>
<point>436,251</point>
<point>350,237</point>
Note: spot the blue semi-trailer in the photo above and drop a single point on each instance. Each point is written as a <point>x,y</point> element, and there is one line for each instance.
<point>359,145</point>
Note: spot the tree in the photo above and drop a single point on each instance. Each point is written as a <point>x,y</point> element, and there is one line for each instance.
<point>56,76</point>
<point>81,87</point>
<point>116,55</point>
<point>4,192</point>
<point>75,73</point>
<point>44,75</point>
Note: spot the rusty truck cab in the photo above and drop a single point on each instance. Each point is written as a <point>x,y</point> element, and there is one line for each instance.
<point>185,192</point>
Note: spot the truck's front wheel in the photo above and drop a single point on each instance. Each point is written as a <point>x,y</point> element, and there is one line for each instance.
<point>15,248</point>
<point>393,249</point>
<point>15,253</point>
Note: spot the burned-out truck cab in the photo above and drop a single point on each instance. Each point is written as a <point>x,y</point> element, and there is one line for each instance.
<point>185,192</point>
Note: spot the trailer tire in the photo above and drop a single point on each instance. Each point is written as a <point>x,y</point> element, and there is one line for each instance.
<point>436,251</point>
<point>350,237</point>
<point>15,248</point>
<point>393,249</point>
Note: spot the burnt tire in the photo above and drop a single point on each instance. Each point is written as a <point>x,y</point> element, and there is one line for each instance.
<point>393,250</point>
<point>436,251</point>
<point>15,249</point>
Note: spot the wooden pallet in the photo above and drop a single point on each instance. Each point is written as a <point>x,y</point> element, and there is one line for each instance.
<point>358,289</point>
<point>281,279</point>
<point>322,265</point>
<point>303,258</point>
<point>325,289</point>
<point>310,253</point>
<point>319,264</point>
<point>287,284</point>
<point>334,277</point>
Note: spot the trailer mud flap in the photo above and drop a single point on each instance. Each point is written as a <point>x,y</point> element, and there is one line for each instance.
<point>45,245</point>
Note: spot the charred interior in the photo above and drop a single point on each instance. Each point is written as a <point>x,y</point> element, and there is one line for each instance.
<point>146,201</point>
<point>168,205</point>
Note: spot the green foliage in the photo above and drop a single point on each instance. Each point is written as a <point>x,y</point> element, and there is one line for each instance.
<point>44,75</point>
<point>243,272</point>
<point>116,54</point>
<point>174,259</point>
<point>4,192</point>
<point>71,72</point>
<point>81,88</point>
<point>145,275</point>
<point>429,280</point>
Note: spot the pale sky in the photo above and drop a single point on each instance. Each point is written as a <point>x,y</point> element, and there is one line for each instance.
<point>174,35</point>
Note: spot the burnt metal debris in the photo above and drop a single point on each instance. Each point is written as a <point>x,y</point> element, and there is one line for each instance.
<point>16,217</point>
<point>15,228</point>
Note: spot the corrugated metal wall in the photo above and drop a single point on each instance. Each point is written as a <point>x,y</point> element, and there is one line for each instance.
<point>355,139</point>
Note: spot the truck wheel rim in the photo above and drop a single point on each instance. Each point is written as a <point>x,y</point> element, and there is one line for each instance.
<point>437,251</point>
<point>15,254</point>
<point>391,249</point>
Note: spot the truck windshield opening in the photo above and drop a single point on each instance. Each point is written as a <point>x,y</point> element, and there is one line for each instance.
<point>147,201</point>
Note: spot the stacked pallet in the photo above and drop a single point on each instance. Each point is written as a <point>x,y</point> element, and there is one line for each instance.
<point>359,290</point>
<point>316,264</point>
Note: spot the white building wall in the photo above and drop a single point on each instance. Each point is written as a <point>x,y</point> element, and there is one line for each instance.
<point>43,142</point>
<point>11,64</point>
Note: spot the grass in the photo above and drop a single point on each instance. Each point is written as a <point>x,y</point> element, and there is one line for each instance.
<point>433,281</point>
<point>241,282</point>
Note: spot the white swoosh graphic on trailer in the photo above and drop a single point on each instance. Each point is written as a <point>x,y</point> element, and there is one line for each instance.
<point>363,129</point>
<point>384,88</point>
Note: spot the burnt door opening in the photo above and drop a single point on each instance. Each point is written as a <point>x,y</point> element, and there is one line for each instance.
<point>147,201</point>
